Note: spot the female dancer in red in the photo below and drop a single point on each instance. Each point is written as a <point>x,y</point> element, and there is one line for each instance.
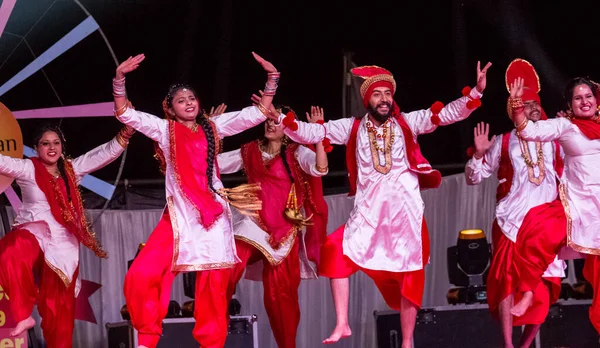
<point>49,228</point>
<point>194,233</point>
<point>273,244</point>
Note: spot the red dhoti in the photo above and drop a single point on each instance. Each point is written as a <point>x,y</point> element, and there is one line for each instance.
<point>280,284</point>
<point>501,283</point>
<point>392,285</point>
<point>21,258</point>
<point>541,236</point>
<point>148,293</point>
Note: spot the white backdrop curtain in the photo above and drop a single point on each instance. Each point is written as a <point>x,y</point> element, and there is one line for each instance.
<point>452,207</point>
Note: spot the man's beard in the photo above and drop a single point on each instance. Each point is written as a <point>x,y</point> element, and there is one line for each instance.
<point>377,115</point>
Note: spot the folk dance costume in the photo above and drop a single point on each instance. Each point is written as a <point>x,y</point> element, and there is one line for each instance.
<point>572,220</point>
<point>272,247</point>
<point>195,232</point>
<point>528,174</point>
<point>386,236</point>
<point>48,229</point>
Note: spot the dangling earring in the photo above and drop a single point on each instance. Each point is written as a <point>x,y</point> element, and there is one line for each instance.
<point>285,140</point>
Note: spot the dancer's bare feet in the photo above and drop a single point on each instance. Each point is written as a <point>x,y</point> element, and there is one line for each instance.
<point>520,308</point>
<point>340,331</point>
<point>23,326</point>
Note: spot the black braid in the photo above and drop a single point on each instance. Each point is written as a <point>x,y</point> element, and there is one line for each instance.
<point>210,157</point>
<point>63,173</point>
<point>39,133</point>
<point>285,162</point>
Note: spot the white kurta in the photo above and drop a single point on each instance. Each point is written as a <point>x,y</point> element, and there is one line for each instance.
<point>60,247</point>
<point>244,228</point>
<point>523,194</point>
<point>580,183</point>
<point>384,228</point>
<point>194,247</point>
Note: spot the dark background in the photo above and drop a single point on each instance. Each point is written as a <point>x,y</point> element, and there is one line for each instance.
<point>431,47</point>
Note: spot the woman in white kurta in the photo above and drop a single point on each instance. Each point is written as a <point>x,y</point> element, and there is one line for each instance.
<point>574,220</point>
<point>195,232</point>
<point>49,227</point>
<point>274,244</point>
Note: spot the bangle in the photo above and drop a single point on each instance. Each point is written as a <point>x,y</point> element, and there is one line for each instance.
<point>321,169</point>
<point>120,111</point>
<point>516,103</point>
<point>122,141</point>
<point>522,126</point>
<point>119,87</point>
<point>262,109</point>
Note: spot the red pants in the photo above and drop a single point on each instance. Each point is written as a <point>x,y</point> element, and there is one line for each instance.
<point>541,236</point>
<point>148,293</point>
<point>501,283</point>
<point>280,284</point>
<point>334,264</point>
<point>21,257</point>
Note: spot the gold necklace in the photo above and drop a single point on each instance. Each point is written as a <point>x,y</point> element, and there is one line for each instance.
<point>529,163</point>
<point>388,137</point>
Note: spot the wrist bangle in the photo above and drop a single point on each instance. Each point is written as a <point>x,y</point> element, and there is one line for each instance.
<point>122,141</point>
<point>321,169</point>
<point>522,126</point>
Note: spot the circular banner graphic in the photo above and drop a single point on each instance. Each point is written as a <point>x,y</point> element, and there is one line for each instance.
<point>11,141</point>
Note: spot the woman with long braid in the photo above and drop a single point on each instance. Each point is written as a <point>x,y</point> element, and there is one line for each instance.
<point>50,225</point>
<point>273,244</point>
<point>194,233</point>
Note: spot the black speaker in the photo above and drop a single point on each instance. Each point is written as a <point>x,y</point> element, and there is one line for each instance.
<point>568,325</point>
<point>460,326</point>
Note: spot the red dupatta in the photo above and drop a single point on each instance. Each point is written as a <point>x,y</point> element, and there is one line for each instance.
<point>188,152</point>
<point>69,214</point>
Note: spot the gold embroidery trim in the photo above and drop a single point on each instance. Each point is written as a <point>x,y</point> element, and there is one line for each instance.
<point>562,193</point>
<point>59,273</point>
<point>264,251</point>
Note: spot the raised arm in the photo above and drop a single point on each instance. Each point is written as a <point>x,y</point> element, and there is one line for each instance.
<point>102,155</point>
<point>338,131</point>
<point>14,167</point>
<point>543,130</point>
<point>231,123</point>
<point>486,158</point>
<point>421,121</point>
<point>153,127</point>
<point>230,162</point>
<point>314,163</point>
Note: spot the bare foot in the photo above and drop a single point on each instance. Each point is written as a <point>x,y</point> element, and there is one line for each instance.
<point>340,331</point>
<point>520,308</point>
<point>23,326</point>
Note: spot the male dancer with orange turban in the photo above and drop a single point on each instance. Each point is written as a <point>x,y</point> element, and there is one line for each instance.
<point>386,235</point>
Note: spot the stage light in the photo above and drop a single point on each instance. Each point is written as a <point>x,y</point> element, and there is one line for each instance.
<point>468,265</point>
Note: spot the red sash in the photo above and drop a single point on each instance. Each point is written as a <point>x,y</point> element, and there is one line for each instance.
<point>70,214</point>
<point>188,157</point>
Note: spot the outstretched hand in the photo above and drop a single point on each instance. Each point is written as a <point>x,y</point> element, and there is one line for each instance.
<point>481,76</point>
<point>316,114</point>
<point>516,88</point>
<point>273,114</point>
<point>264,63</point>
<point>482,141</point>
<point>129,65</point>
<point>218,110</point>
